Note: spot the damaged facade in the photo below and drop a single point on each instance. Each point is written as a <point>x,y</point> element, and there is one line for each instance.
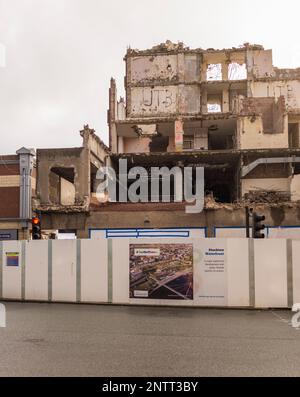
<point>230,111</point>
<point>67,183</point>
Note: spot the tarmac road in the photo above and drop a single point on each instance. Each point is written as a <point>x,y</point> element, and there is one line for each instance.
<point>87,340</point>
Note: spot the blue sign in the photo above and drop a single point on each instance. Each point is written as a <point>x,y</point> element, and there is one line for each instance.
<point>12,259</point>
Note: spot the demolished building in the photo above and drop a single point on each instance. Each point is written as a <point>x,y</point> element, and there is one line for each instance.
<point>230,111</point>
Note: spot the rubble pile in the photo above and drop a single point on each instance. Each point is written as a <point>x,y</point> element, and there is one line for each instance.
<point>267,196</point>
<point>210,203</point>
<point>170,46</point>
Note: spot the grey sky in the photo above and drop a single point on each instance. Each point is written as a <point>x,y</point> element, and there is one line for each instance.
<point>60,54</point>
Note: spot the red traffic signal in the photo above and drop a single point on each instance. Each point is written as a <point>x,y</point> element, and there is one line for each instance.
<point>36,229</point>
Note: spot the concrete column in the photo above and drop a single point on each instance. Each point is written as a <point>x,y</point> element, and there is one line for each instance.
<point>120,144</point>
<point>179,135</point>
<point>225,101</point>
<point>113,142</point>
<point>204,71</point>
<point>239,132</point>
<point>204,101</point>
<point>82,176</point>
<point>113,138</point>
<point>225,71</point>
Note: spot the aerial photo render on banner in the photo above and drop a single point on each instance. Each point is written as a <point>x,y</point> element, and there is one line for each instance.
<point>161,271</point>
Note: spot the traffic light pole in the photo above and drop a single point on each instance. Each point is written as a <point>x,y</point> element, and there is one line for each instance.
<point>36,228</point>
<point>247,222</point>
<point>257,226</point>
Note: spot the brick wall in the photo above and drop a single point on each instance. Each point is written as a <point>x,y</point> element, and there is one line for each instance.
<point>9,188</point>
<point>9,202</point>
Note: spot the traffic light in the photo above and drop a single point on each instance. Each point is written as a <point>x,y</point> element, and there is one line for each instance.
<point>36,229</point>
<point>257,226</point>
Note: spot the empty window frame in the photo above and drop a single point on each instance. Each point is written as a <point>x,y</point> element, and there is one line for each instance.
<point>214,108</point>
<point>237,71</point>
<point>293,135</point>
<point>188,142</point>
<point>61,185</point>
<point>214,103</point>
<point>214,72</point>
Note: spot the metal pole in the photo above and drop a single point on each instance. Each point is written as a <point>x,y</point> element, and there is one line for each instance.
<point>247,222</point>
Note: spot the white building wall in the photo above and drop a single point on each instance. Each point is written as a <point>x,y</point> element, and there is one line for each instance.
<point>251,135</point>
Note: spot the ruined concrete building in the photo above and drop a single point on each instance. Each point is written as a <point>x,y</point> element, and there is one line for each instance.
<point>231,111</point>
<point>67,183</point>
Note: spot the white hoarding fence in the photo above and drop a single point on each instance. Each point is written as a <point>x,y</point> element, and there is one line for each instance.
<point>180,271</point>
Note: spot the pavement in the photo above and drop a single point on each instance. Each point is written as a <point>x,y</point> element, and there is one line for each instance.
<point>86,340</point>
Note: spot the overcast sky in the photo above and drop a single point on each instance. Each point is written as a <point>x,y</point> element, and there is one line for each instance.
<point>60,54</point>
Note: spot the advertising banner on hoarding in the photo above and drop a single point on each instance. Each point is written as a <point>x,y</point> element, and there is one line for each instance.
<point>161,271</point>
<point>195,271</point>
<point>211,286</point>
